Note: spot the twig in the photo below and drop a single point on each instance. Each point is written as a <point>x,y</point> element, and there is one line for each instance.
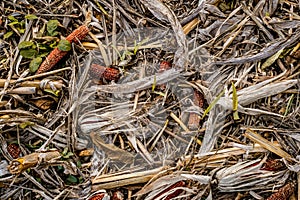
<point>43,74</point>
<point>181,124</point>
<point>57,84</point>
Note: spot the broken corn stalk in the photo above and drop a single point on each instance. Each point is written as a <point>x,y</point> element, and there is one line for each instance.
<point>56,55</point>
<point>21,164</point>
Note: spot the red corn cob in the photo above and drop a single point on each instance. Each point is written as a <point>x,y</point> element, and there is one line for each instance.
<point>194,119</point>
<point>118,195</point>
<point>283,193</point>
<point>56,55</point>
<point>51,60</point>
<point>273,165</point>
<point>98,71</point>
<point>78,34</point>
<point>14,150</point>
<point>164,65</point>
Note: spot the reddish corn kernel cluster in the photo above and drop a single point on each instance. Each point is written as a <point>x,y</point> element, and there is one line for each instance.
<point>118,195</point>
<point>283,193</point>
<point>97,196</point>
<point>98,71</point>
<point>14,150</point>
<point>164,65</point>
<point>273,165</point>
<point>194,119</point>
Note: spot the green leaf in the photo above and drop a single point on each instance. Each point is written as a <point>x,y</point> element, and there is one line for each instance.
<point>21,30</point>
<point>28,53</point>
<point>234,102</point>
<point>25,44</point>
<point>25,124</point>
<point>65,151</point>
<point>55,93</point>
<point>72,179</point>
<point>271,59</point>
<point>34,64</point>
<point>53,45</point>
<point>13,23</point>
<point>43,54</point>
<point>64,45</point>
<point>31,17</point>
<point>68,155</point>
<point>159,93</point>
<point>138,45</point>
<point>52,26</point>
<point>154,83</point>
<point>22,23</point>
<point>8,34</point>
<point>78,163</point>
<point>12,18</point>
<point>289,104</point>
<point>212,104</point>
<point>42,47</point>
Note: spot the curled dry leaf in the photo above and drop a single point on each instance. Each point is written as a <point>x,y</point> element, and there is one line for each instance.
<point>86,152</point>
<point>172,187</point>
<point>18,165</point>
<point>43,104</point>
<point>112,152</point>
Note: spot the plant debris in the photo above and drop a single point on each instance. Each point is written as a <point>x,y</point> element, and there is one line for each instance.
<point>153,99</point>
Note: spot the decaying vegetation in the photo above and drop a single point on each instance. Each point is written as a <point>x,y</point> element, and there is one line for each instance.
<point>149,99</point>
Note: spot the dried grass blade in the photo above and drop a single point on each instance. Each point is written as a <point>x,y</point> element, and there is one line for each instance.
<point>266,144</point>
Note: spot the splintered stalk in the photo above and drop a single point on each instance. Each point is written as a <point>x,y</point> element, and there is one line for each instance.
<point>56,55</point>
<point>31,160</point>
<point>110,181</point>
<point>56,84</point>
<point>23,90</point>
